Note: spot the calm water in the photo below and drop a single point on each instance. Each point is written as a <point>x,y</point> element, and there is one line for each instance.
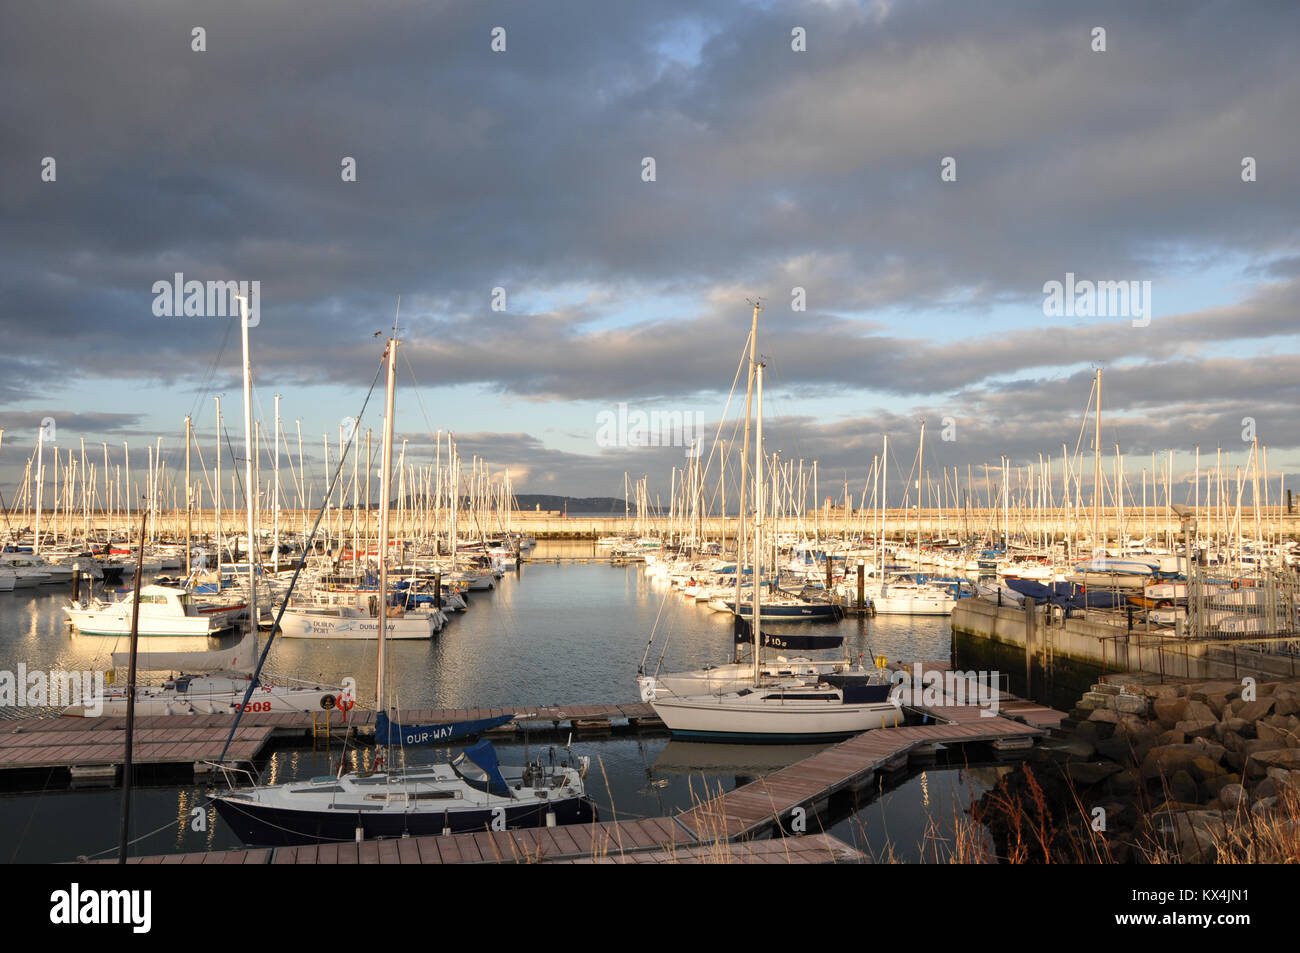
<point>554,634</point>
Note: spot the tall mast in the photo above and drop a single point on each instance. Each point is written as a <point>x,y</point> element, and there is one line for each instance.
<point>250,487</point>
<point>758,521</point>
<point>218,485</point>
<point>189,496</point>
<point>744,463</point>
<point>275,495</point>
<point>1097,547</point>
<point>40,483</point>
<point>386,466</point>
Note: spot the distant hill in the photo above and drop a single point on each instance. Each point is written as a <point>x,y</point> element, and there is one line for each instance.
<point>602,505</point>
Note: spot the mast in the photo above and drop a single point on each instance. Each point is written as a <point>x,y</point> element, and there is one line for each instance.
<point>40,483</point>
<point>275,496</point>
<point>250,451</point>
<point>758,522</point>
<point>218,486</point>
<point>1097,547</point>
<point>744,462</point>
<point>386,466</point>
<point>189,496</point>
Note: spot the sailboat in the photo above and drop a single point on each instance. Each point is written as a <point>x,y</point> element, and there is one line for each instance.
<point>473,792</point>
<point>790,708</point>
<point>211,683</point>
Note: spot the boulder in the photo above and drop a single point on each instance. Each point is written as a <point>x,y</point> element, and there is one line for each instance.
<point>1104,715</point>
<point>1164,760</point>
<point>1131,704</point>
<point>1094,700</point>
<point>1239,726</point>
<point>1202,769</point>
<point>1170,711</point>
<point>1088,773</point>
<point>1286,704</point>
<point>1075,749</point>
<point>1197,729</point>
<point>1171,737</point>
<point>1160,691</point>
<point>1124,784</point>
<point>1232,796</point>
<point>1278,736</point>
<point>1253,711</point>
<point>1217,703</point>
<point>1182,787</point>
<point>1199,711</point>
<point>1288,758</point>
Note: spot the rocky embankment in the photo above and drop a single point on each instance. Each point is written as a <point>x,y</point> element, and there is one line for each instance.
<point>1200,771</point>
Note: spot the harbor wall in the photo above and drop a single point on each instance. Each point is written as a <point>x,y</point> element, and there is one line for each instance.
<point>1042,652</point>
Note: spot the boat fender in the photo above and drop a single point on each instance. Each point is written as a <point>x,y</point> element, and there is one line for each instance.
<point>327,702</point>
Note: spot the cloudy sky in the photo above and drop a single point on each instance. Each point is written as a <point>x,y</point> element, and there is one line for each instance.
<point>920,170</point>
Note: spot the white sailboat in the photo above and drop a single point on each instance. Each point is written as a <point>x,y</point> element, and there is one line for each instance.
<point>819,706</point>
<point>471,793</point>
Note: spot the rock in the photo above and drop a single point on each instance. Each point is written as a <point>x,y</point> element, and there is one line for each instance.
<point>1124,784</point>
<point>1124,750</point>
<point>1167,759</point>
<point>1253,711</point>
<point>1078,749</point>
<point>1094,700</point>
<point>1106,688</point>
<point>1182,787</point>
<point>1199,711</point>
<point>1170,711</point>
<point>1160,691</point>
<point>1085,730</point>
<point>1264,806</point>
<point>1232,796</point>
<point>1266,732</point>
<point>1286,704</point>
<point>1091,772</point>
<point>1239,726</point>
<point>1131,704</point>
<point>1171,737</point>
<point>1217,702</point>
<point>1285,777</point>
<point>1266,788</point>
<point>1202,769</point>
<point>1131,726</point>
<point>1197,729</point>
<point>1104,715</point>
<point>1288,758</point>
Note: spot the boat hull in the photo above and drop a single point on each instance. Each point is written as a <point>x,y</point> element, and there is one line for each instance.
<point>262,826</point>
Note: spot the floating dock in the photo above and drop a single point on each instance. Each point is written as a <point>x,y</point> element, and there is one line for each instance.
<point>76,751</point>
<point>725,828</point>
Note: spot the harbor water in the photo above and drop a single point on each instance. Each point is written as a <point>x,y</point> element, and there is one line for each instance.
<point>553,634</point>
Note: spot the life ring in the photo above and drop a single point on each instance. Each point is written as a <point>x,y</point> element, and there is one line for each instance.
<point>345,703</point>
<point>327,702</point>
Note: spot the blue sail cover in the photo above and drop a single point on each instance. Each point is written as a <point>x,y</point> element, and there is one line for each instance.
<point>485,756</point>
<point>389,732</point>
<point>1067,595</point>
<point>743,634</point>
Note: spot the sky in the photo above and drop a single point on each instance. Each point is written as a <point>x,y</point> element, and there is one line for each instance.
<point>897,182</point>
